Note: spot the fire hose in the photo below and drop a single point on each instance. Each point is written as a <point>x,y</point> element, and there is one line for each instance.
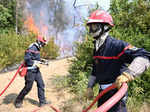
<point>108,104</point>
<point>103,108</point>
<point>12,79</point>
<point>20,67</point>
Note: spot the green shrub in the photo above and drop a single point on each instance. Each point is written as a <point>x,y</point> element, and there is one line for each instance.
<point>13,46</point>
<point>50,51</point>
<point>7,15</point>
<point>81,64</point>
<point>4,16</point>
<point>131,25</point>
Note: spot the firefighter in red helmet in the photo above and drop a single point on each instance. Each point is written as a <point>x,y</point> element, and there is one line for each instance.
<point>33,62</point>
<point>100,22</point>
<point>111,58</point>
<point>41,41</point>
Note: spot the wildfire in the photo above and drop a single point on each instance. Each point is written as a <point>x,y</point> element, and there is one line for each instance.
<point>41,29</point>
<point>30,25</point>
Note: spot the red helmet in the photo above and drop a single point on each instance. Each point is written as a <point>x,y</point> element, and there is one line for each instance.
<point>100,16</point>
<point>41,39</point>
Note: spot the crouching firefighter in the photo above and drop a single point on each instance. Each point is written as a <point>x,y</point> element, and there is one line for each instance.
<point>32,62</point>
<point>110,58</point>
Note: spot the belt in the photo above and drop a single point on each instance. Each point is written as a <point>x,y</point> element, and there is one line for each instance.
<point>104,86</point>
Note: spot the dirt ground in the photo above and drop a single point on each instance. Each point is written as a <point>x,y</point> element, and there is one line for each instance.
<point>55,68</point>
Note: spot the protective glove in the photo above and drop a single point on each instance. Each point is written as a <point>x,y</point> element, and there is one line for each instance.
<point>124,77</point>
<point>44,62</point>
<point>37,64</point>
<point>89,94</point>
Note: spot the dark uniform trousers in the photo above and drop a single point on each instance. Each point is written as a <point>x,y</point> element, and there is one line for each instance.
<point>29,79</point>
<point>119,107</point>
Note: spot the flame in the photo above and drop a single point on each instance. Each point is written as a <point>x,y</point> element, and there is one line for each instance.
<point>32,27</point>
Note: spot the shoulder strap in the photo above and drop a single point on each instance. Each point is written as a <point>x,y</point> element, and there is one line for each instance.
<point>113,57</point>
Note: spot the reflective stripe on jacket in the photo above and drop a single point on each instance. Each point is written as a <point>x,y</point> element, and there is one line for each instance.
<point>110,60</point>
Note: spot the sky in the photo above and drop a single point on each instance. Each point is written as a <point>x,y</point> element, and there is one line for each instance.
<point>103,3</point>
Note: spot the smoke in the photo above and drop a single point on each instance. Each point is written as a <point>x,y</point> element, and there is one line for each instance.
<point>39,10</point>
<point>61,19</point>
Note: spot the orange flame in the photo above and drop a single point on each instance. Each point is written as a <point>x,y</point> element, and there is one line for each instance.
<point>32,27</point>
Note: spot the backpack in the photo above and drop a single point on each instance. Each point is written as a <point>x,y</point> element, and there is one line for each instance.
<point>23,71</point>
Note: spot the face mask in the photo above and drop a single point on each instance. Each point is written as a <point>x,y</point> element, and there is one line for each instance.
<point>95,27</point>
<point>95,30</point>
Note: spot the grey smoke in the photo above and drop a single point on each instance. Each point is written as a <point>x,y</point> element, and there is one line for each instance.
<point>64,21</point>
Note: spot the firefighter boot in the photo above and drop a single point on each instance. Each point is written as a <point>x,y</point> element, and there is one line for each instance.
<point>44,103</point>
<point>18,104</point>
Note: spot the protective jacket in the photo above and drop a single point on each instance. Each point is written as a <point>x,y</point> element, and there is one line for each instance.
<point>32,54</point>
<point>111,59</point>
